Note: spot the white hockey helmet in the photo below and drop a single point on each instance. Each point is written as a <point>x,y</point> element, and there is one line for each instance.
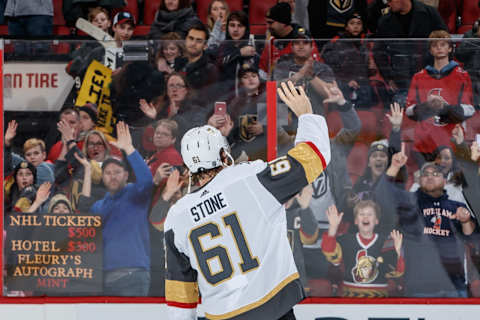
<point>201,148</point>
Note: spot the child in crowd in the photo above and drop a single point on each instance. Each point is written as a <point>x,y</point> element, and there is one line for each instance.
<point>367,258</point>
<point>440,96</point>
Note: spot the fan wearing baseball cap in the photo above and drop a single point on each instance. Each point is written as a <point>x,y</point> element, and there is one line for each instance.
<point>123,26</point>
<point>348,55</point>
<point>434,228</point>
<point>280,26</point>
<point>124,209</point>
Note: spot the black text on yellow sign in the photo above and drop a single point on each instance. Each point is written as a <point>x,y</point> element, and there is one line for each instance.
<point>96,89</point>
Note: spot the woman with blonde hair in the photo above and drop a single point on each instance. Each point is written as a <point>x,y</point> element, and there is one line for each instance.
<point>217,14</point>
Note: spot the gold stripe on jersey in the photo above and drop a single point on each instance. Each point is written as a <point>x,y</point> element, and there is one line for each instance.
<point>309,239</point>
<point>393,274</point>
<point>334,257</point>
<point>23,204</point>
<point>255,304</point>
<point>309,160</point>
<point>181,292</point>
<point>352,292</point>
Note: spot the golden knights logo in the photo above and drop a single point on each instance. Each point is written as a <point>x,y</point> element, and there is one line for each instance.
<point>341,5</point>
<point>245,121</point>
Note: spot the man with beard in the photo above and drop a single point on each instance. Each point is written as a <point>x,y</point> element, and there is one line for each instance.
<point>124,209</point>
<point>434,227</point>
<point>200,72</point>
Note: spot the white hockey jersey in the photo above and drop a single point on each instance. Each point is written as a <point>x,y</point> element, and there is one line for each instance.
<point>228,239</point>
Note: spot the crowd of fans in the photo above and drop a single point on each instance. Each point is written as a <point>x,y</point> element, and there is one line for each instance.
<point>406,226</point>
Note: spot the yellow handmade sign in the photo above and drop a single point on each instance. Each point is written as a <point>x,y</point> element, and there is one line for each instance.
<point>96,89</point>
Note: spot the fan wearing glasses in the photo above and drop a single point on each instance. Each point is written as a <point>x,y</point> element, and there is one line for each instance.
<point>434,227</point>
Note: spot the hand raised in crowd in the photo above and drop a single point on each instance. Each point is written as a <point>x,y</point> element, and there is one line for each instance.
<point>397,237</point>
<point>248,51</point>
<point>41,196</point>
<point>335,95</point>
<point>305,196</point>
<point>148,109</point>
<point>298,102</point>
<point>87,174</point>
<point>43,191</point>
<point>124,140</point>
<point>462,214</point>
<point>475,150</point>
<point>217,120</point>
<point>223,123</point>
<point>457,134</point>
<point>227,127</point>
<point>68,133</point>
<point>399,159</point>
<point>353,84</point>
<point>396,116</point>
<point>11,132</point>
<point>163,171</point>
<point>82,160</point>
<point>163,66</point>
<point>174,184</point>
<point>307,68</point>
<point>334,220</point>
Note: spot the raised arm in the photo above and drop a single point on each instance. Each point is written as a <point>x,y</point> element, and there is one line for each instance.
<point>286,176</point>
<point>144,180</point>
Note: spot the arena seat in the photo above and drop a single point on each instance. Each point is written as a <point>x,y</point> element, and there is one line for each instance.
<point>141,30</point>
<point>132,7</point>
<point>256,13</point>
<point>334,123</point>
<point>357,160</point>
<point>58,19</point>
<point>62,46</point>
<point>202,7</point>
<point>59,24</point>
<point>369,126</point>
<point>469,11</point>
<point>3,30</point>
<point>150,7</point>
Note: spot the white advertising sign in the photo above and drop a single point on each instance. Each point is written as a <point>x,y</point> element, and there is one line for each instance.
<point>35,86</point>
<point>154,311</point>
<point>386,312</point>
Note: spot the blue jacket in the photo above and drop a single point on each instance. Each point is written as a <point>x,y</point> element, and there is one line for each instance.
<point>126,238</point>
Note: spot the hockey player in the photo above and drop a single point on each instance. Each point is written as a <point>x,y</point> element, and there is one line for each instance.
<point>228,239</point>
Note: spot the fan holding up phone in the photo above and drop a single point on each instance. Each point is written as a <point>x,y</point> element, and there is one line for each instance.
<point>220,118</point>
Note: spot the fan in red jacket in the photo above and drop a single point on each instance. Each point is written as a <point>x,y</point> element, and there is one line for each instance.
<point>439,98</point>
